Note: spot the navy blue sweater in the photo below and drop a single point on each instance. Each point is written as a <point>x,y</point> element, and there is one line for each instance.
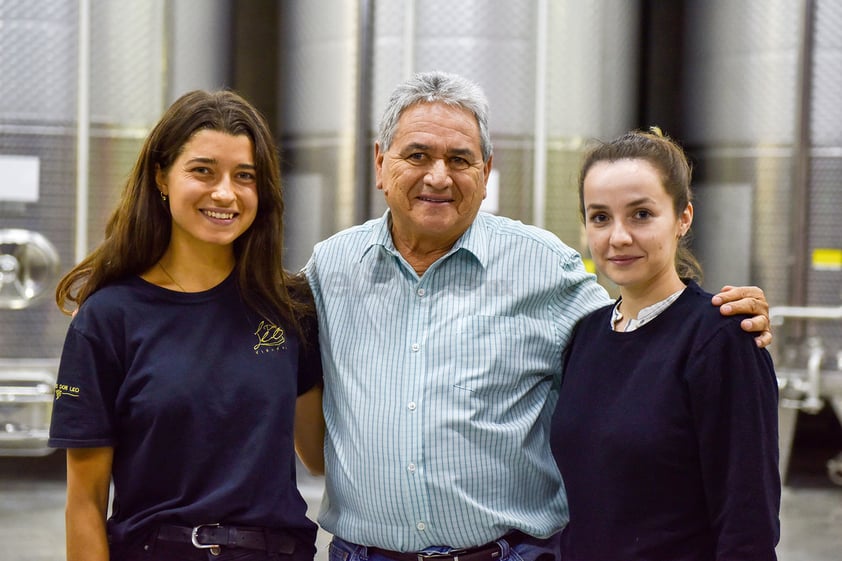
<point>667,439</point>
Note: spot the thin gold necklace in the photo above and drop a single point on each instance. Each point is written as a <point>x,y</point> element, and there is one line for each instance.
<point>169,276</point>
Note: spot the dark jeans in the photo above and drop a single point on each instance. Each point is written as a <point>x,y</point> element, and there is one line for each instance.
<point>532,549</point>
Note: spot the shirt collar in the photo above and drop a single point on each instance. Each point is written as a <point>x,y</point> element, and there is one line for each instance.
<point>645,315</point>
<point>474,241</point>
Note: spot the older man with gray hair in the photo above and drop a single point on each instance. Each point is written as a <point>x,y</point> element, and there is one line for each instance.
<point>442,330</point>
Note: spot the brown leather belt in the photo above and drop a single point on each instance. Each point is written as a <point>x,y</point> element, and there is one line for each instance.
<point>214,536</point>
<point>488,552</point>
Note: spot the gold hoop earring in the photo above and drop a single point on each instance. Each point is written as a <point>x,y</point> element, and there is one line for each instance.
<point>163,196</point>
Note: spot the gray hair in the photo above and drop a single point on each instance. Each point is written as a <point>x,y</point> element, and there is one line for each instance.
<point>436,87</point>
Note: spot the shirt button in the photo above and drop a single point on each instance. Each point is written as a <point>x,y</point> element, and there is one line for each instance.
<point>411,468</point>
<point>421,292</point>
<point>415,347</point>
<point>411,406</point>
<point>421,526</point>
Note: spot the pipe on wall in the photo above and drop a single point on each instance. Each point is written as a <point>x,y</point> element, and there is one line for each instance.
<point>539,171</point>
<point>408,62</point>
<point>801,157</point>
<point>83,129</point>
<point>362,155</point>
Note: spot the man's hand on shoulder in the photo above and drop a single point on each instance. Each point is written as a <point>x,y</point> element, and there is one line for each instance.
<point>749,300</point>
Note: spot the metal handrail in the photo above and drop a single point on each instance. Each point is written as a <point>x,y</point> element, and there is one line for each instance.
<point>777,314</point>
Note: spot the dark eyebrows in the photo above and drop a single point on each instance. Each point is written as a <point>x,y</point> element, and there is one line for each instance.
<point>211,161</point>
<point>201,160</point>
<point>643,201</point>
<point>415,147</point>
<point>465,152</point>
<point>420,147</point>
<point>640,202</point>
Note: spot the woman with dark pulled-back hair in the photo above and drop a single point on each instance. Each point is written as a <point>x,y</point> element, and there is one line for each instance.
<point>190,373</point>
<point>665,430</point>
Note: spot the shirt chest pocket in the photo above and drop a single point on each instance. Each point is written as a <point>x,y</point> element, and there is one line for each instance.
<point>489,353</point>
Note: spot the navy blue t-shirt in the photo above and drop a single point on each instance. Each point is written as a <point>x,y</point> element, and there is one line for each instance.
<point>667,439</point>
<point>196,393</point>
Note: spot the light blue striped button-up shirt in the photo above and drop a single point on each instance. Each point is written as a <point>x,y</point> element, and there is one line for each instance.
<point>438,389</point>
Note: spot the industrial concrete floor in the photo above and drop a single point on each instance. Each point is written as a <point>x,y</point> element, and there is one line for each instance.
<point>32,502</point>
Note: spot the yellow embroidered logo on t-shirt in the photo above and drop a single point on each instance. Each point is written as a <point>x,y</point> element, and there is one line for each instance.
<point>65,390</point>
<point>269,337</point>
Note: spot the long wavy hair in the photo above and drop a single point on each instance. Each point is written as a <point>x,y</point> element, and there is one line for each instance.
<point>669,159</point>
<point>138,232</point>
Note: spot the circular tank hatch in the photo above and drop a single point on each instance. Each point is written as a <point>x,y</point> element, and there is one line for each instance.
<point>29,264</point>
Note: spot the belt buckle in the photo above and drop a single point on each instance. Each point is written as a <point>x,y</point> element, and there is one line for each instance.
<point>451,555</point>
<point>194,539</point>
